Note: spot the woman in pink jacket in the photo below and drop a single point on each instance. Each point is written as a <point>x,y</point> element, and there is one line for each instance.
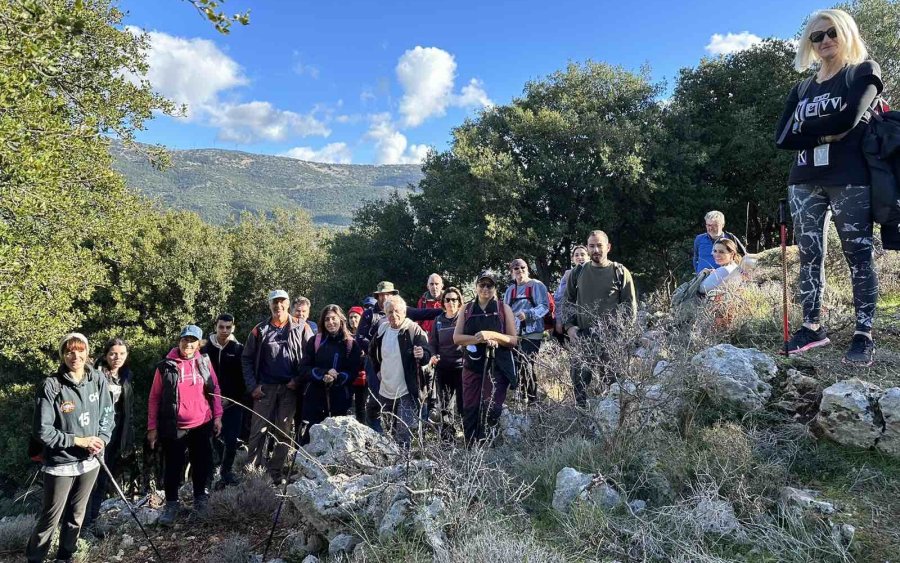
<point>183,414</point>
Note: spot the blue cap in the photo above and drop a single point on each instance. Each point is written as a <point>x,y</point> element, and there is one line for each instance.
<point>278,294</point>
<point>369,302</point>
<point>193,331</point>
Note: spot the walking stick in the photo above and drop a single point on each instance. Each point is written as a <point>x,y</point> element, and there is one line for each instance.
<point>782,220</point>
<point>283,495</point>
<point>121,493</point>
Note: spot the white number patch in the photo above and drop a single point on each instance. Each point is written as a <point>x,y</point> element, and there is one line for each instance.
<point>84,418</point>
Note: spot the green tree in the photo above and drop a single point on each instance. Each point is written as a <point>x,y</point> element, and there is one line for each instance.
<point>878,22</point>
<point>63,87</point>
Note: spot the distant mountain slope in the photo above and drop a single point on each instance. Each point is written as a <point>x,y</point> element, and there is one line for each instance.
<point>220,183</point>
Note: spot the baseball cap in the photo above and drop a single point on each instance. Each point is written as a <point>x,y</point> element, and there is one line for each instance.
<point>278,294</point>
<point>191,330</point>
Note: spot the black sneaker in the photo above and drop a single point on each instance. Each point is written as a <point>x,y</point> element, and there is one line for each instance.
<point>170,513</point>
<point>807,339</point>
<point>861,351</point>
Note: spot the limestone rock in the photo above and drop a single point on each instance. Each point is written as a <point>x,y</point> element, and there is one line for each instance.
<point>889,405</point>
<point>342,442</point>
<point>737,376</point>
<point>430,519</point>
<point>310,559</point>
<point>572,485</point>
<point>843,533</point>
<point>514,426</point>
<point>716,517</point>
<point>342,543</point>
<point>394,518</point>
<point>849,415</point>
<point>804,498</point>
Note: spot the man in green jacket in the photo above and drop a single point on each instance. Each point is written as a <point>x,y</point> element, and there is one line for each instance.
<point>596,291</point>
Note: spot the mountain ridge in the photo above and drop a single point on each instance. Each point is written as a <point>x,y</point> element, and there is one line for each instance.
<point>220,184</point>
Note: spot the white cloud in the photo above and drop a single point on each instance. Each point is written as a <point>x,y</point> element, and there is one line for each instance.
<point>427,76</point>
<point>190,71</point>
<point>473,95</point>
<point>332,153</point>
<point>731,43</point>
<point>195,72</point>
<point>391,146</point>
<point>252,121</point>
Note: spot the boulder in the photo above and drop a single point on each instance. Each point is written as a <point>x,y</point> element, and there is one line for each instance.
<point>310,559</point>
<point>342,544</point>
<point>737,376</point>
<point>394,519</point>
<point>514,426</point>
<point>805,499</point>
<point>889,406</point>
<point>430,519</point>
<point>849,413</point>
<point>572,485</point>
<point>842,534</point>
<point>342,442</point>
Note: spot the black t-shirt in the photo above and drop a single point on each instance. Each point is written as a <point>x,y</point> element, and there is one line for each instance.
<point>840,163</point>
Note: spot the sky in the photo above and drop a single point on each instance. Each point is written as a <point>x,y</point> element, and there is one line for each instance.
<point>379,82</point>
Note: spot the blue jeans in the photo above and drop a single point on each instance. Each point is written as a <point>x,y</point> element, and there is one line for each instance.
<point>401,416</point>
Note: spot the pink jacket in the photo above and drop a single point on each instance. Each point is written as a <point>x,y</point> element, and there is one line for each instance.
<point>193,406</point>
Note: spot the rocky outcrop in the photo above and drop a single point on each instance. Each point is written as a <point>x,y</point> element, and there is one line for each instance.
<point>739,377</point>
<point>572,485</point>
<point>860,414</point>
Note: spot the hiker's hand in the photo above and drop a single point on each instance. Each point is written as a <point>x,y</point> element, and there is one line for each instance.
<point>292,385</point>
<point>92,444</point>
<point>330,376</point>
<point>492,343</point>
<point>151,438</point>
<point>217,425</point>
<point>520,315</point>
<point>257,393</point>
<point>418,352</point>
<point>435,359</point>
<point>835,138</point>
<point>706,271</point>
<point>573,333</point>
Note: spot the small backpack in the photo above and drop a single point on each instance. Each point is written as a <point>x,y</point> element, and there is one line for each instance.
<point>35,447</point>
<point>549,316</point>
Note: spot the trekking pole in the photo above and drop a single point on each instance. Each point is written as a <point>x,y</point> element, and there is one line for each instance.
<point>283,493</point>
<point>121,493</point>
<point>782,220</point>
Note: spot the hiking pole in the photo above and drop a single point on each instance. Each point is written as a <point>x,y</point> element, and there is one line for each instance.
<point>782,220</point>
<point>283,493</point>
<point>112,479</point>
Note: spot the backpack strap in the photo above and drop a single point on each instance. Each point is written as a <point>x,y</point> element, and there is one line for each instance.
<point>804,85</point>
<point>573,278</point>
<point>318,342</point>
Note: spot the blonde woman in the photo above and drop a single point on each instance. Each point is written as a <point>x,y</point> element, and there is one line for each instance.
<point>824,120</point>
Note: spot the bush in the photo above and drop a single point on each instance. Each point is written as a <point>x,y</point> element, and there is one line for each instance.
<point>253,499</point>
<point>14,533</point>
<point>235,549</point>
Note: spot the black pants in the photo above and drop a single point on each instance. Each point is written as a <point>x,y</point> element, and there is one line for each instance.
<point>198,443</point>
<point>528,351</point>
<point>67,495</point>
<point>449,388</point>
<point>360,392</point>
<point>582,373</point>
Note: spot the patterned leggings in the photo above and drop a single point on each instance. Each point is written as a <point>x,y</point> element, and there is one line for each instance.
<point>850,207</point>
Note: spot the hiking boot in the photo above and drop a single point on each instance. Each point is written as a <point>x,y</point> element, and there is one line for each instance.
<point>200,504</point>
<point>229,480</point>
<point>861,351</point>
<point>807,339</point>
<point>170,513</point>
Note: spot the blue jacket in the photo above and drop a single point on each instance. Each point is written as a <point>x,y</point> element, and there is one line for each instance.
<point>332,353</point>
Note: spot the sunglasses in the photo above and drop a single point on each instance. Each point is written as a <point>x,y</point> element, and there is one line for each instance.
<point>819,36</point>
<point>520,268</point>
<point>485,286</point>
<point>451,300</point>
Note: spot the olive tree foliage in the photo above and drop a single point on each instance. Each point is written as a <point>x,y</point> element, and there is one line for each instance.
<point>62,208</point>
<point>285,251</point>
<point>879,25</point>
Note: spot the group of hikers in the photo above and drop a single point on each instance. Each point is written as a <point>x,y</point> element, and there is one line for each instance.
<point>395,367</point>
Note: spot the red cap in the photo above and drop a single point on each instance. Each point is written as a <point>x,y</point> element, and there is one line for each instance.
<point>355,309</point>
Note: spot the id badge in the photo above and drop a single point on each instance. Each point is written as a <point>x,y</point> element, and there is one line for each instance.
<point>820,155</point>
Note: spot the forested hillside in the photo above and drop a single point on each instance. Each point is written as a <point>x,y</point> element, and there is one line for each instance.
<point>219,185</point>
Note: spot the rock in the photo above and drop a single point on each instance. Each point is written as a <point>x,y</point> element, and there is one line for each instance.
<point>637,506</point>
<point>304,543</point>
<point>394,518</point>
<point>572,485</point>
<point>804,498</point>
<point>430,520</point>
<point>126,541</point>
<point>737,376</point>
<point>650,406</point>
<point>843,534</point>
<point>569,485</point>
<point>342,543</point>
<point>514,426</point>
<point>112,504</point>
<point>889,406</point>
<point>800,395</point>
<point>342,442</point>
<point>849,414</point>
<point>660,368</point>
<point>716,517</point>
<point>310,559</point>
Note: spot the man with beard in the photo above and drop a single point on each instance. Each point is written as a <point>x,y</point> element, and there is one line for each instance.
<point>596,291</point>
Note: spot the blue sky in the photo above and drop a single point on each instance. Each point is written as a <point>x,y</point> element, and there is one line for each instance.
<point>377,82</point>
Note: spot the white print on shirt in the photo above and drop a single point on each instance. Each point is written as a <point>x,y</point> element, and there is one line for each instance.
<point>801,158</point>
<point>84,418</point>
<point>93,397</point>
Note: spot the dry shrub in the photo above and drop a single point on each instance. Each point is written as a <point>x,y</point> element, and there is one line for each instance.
<point>498,545</point>
<point>253,498</point>
<point>14,533</point>
<point>233,549</point>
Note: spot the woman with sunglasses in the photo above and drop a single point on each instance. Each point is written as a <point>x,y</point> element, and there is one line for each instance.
<point>447,359</point>
<point>824,121</point>
<point>727,270</point>
<point>488,334</point>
